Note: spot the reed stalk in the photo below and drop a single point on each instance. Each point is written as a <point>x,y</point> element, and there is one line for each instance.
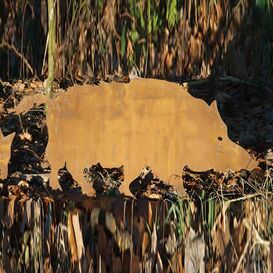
<point>51,46</point>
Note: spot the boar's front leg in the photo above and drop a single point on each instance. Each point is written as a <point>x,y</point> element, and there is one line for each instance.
<point>129,176</point>
<point>54,182</point>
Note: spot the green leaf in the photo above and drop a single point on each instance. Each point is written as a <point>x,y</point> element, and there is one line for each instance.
<point>123,42</point>
<point>134,36</point>
<point>171,12</point>
<point>100,4</point>
<point>149,17</point>
<point>211,213</point>
<point>142,21</point>
<point>155,23</point>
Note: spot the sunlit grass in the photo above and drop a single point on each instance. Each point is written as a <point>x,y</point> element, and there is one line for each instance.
<point>153,37</point>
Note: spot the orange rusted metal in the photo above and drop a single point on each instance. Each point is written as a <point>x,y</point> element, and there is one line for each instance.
<point>144,122</point>
<point>5,147</point>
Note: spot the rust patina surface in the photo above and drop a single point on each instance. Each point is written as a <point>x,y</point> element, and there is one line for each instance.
<point>5,147</point>
<point>144,122</point>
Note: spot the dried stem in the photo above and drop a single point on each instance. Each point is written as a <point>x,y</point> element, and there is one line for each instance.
<point>20,55</point>
<point>51,46</point>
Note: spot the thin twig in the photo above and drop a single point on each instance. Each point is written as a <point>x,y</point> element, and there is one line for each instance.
<point>244,197</point>
<point>35,154</point>
<point>20,55</point>
<point>43,69</point>
<point>243,255</point>
<point>259,239</point>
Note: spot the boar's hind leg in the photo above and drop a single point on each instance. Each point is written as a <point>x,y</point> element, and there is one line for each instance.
<point>124,188</point>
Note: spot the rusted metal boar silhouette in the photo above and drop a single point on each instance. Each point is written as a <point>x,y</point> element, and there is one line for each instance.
<point>146,122</point>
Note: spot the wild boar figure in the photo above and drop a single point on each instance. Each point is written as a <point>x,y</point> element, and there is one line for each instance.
<point>146,122</point>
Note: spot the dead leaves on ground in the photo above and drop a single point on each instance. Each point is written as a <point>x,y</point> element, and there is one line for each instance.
<point>114,235</point>
<point>228,185</point>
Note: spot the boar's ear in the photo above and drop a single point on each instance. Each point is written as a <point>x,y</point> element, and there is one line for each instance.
<point>213,106</point>
<point>214,109</point>
<point>218,118</point>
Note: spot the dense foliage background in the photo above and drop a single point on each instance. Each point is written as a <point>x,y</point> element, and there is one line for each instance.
<point>149,37</point>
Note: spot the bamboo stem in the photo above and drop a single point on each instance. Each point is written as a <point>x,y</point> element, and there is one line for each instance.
<point>51,46</point>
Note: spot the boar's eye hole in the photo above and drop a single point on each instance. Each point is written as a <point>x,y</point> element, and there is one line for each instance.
<point>220,138</point>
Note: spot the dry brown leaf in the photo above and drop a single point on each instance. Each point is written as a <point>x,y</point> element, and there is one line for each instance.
<point>25,136</point>
<point>108,19</point>
<point>10,213</point>
<point>130,50</point>
<point>271,256</point>
<point>150,215</point>
<point>159,264</point>
<point>110,222</point>
<point>154,240</point>
<point>18,87</point>
<point>47,266</point>
<point>145,242</point>
<point>94,217</point>
<point>23,183</point>
<point>72,239</point>
<point>36,84</point>
<point>78,235</point>
<point>220,233</point>
<point>123,240</point>
<point>171,244</point>
<point>1,268</point>
<point>195,252</point>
